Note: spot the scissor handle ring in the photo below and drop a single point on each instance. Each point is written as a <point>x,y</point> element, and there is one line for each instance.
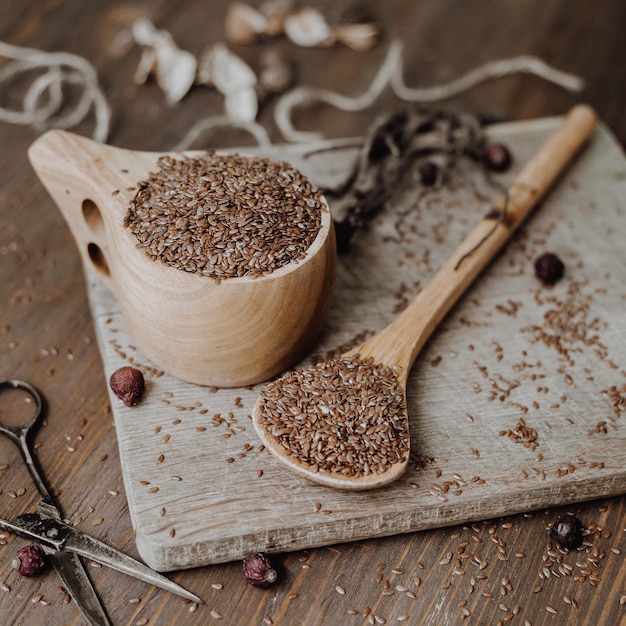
<point>32,392</point>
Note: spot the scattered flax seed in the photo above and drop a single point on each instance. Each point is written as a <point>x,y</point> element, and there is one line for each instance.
<point>97,521</point>
<point>153,489</point>
<point>172,532</point>
<point>522,434</point>
<point>340,590</point>
<point>162,512</point>
<point>216,614</point>
<point>551,609</point>
<point>356,425</point>
<point>225,216</point>
<point>217,586</point>
<point>134,600</point>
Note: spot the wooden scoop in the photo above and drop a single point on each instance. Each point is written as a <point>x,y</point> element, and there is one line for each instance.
<point>399,343</point>
<point>241,331</point>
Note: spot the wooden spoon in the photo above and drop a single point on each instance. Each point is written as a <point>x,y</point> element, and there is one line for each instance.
<point>296,440</point>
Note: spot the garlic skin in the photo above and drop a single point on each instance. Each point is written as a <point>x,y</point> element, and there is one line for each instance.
<point>233,78</point>
<point>276,12</point>
<point>242,105</point>
<point>358,37</point>
<point>244,25</point>
<point>276,73</point>
<point>308,28</point>
<point>173,68</point>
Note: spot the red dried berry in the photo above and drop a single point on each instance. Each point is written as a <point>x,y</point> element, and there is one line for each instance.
<point>567,531</point>
<point>128,384</point>
<point>549,268</point>
<point>258,570</point>
<point>428,173</point>
<point>497,157</point>
<point>30,560</point>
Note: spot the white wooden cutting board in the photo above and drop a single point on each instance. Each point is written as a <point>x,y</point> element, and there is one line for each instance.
<point>200,491</point>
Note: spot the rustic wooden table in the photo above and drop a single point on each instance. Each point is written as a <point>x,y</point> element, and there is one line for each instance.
<point>490,572</point>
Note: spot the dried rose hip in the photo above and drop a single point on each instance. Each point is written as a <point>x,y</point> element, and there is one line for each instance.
<point>497,157</point>
<point>258,570</point>
<point>29,560</point>
<point>549,268</point>
<point>128,385</point>
<point>567,531</point>
<point>428,173</point>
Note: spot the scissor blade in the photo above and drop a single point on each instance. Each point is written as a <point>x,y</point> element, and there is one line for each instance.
<point>92,548</point>
<point>75,579</point>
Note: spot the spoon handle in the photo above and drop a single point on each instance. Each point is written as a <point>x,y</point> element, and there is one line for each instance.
<point>400,342</point>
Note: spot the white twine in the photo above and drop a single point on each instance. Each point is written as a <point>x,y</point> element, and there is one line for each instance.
<point>44,98</point>
<point>221,121</point>
<point>390,74</point>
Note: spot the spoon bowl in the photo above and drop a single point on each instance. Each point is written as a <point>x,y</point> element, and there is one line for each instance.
<point>301,417</point>
<point>229,333</point>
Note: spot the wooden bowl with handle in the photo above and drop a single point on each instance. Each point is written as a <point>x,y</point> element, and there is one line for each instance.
<point>236,332</point>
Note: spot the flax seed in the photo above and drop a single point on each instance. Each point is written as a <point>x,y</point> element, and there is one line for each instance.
<point>358,419</point>
<point>225,216</point>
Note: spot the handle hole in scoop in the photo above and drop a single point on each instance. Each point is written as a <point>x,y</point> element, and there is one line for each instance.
<point>93,217</point>
<point>98,259</point>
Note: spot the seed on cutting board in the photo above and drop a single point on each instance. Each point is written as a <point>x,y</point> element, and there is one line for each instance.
<point>225,216</point>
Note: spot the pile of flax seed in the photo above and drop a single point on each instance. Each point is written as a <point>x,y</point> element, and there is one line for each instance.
<point>225,216</point>
<point>344,415</point>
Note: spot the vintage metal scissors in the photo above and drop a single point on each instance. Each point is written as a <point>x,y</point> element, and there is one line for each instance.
<point>61,542</point>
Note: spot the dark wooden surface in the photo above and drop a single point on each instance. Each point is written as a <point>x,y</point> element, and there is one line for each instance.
<point>491,572</point>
